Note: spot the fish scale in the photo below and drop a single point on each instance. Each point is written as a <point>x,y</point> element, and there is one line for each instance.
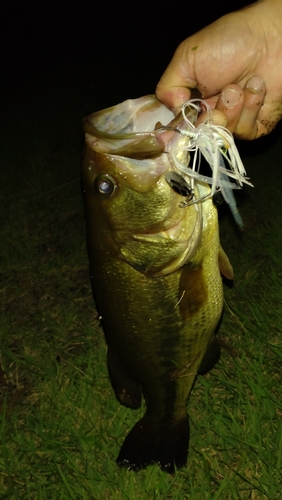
<point>155,278</point>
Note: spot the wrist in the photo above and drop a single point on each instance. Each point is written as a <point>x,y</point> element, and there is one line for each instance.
<point>269,8</point>
<point>266,19</point>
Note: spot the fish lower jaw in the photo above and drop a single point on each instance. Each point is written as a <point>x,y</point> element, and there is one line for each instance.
<point>188,251</point>
<point>175,253</point>
<point>178,233</point>
<point>178,244</point>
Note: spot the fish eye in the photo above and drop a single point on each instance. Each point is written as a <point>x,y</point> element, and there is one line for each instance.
<point>105,185</point>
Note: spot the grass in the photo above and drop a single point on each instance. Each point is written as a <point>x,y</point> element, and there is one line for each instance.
<point>61,427</point>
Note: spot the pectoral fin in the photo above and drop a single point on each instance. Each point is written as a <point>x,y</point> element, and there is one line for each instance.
<point>224,264</point>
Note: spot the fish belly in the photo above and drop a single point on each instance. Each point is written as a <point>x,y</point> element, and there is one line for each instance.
<point>157,330</point>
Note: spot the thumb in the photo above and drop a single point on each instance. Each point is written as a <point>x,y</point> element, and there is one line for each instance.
<point>174,86</point>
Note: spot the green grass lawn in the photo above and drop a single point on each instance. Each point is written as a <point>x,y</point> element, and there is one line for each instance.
<point>61,427</point>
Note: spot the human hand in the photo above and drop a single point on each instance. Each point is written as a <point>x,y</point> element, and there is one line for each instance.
<point>236,65</point>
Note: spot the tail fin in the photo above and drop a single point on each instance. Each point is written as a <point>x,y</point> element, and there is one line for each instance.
<point>149,442</point>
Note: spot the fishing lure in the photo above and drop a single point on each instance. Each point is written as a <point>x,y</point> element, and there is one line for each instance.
<point>217,146</point>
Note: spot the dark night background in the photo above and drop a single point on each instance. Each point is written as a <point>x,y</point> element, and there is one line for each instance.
<point>103,51</point>
<point>61,61</point>
<point>72,59</point>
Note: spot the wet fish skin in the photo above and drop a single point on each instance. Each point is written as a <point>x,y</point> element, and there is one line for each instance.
<point>155,277</point>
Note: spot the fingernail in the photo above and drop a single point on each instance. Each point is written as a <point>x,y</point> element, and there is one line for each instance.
<point>230,97</point>
<point>255,84</point>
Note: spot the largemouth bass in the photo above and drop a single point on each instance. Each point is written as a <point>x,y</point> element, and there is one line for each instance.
<point>154,263</point>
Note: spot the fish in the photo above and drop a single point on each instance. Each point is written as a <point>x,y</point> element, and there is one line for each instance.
<point>155,266</point>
